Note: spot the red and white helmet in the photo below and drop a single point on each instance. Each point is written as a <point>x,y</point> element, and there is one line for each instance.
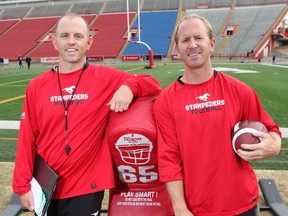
<point>134,148</point>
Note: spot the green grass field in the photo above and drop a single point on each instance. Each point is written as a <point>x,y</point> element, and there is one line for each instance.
<point>270,82</point>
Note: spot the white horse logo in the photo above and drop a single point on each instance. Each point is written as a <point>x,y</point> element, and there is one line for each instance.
<point>203,97</point>
<point>70,89</point>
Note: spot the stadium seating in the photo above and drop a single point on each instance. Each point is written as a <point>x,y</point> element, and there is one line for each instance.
<point>24,36</point>
<point>48,11</point>
<point>6,24</point>
<point>87,8</point>
<point>188,4</point>
<point>160,5</point>
<point>156,31</point>
<point>253,19</point>
<point>261,19</point>
<point>14,13</point>
<point>260,2</point>
<point>108,40</point>
<point>119,6</point>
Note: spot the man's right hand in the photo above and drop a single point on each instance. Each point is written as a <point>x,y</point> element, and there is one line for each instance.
<point>27,201</point>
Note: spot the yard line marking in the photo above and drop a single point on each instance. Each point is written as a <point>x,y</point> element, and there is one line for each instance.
<point>275,65</point>
<point>14,82</point>
<point>12,99</point>
<point>30,79</point>
<point>12,75</point>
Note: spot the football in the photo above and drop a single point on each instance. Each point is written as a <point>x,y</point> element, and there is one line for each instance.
<point>242,133</point>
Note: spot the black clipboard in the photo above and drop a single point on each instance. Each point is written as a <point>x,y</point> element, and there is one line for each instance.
<point>47,179</point>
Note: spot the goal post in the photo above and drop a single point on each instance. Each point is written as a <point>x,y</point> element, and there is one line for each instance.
<point>129,38</point>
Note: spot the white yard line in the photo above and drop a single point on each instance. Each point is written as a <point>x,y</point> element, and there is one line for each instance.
<point>16,124</point>
<point>15,82</point>
<point>275,65</point>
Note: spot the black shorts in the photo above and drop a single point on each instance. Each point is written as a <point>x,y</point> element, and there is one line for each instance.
<point>251,212</point>
<point>85,205</point>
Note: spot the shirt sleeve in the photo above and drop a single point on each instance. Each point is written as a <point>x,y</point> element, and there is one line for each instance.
<point>26,150</point>
<point>253,109</point>
<point>169,157</point>
<point>143,85</point>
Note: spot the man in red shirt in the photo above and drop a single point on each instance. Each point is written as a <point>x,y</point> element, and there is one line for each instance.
<point>64,116</point>
<point>195,116</point>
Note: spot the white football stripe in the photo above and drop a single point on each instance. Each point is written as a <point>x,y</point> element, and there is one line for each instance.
<point>236,127</point>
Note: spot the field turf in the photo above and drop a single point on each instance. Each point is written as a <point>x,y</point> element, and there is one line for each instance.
<point>269,81</point>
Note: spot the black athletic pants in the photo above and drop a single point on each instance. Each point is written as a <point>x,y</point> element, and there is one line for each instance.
<point>85,205</point>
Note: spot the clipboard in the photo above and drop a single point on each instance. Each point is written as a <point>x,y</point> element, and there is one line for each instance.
<point>47,179</point>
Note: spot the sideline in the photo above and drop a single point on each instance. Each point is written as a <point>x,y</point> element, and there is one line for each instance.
<point>16,124</point>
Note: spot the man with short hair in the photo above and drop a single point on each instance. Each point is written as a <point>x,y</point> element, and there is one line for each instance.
<point>64,116</point>
<point>195,116</point>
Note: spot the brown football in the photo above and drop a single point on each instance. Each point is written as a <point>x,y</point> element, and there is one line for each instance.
<point>242,133</point>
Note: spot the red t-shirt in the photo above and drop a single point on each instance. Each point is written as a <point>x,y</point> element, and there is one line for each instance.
<point>195,124</point>
<point>88,167</point>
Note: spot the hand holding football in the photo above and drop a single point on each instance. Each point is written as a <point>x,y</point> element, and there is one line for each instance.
<point>243,133</point>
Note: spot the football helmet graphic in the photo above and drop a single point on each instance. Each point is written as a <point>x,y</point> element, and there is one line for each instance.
<point>134,148</point>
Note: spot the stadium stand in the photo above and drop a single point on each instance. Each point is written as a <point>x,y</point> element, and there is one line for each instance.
<point>87,8</point>
<point>119,6</point>
<point>14,13</point>
<point>152,5</point>
<point>261,19</point>
<point>24,36</point>
<point>200,4</point>
<point>260,2</point>
<point>188,4</point>
<point>6,24</point>
<point>253,19</point>
<point>108,40</point>
<point>48,11</point>
<point>156,30</point>
<point>220,3</point>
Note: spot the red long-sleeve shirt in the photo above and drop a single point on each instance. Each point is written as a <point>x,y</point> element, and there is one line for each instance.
<point>195,124</point>
<point>88,167</point>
